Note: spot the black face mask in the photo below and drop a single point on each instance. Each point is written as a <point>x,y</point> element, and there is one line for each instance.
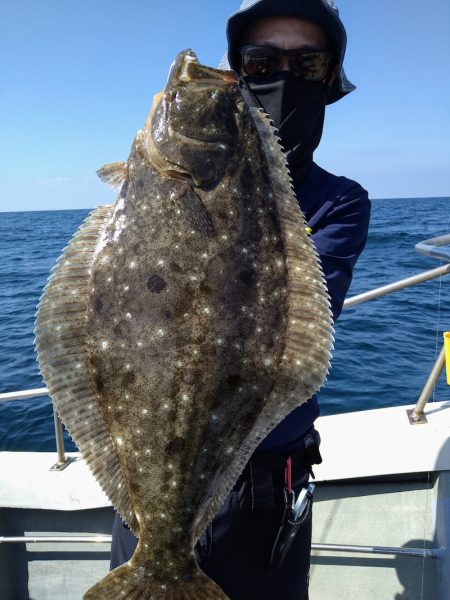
<point>297,109</point>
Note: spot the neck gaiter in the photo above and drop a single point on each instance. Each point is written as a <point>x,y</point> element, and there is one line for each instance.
<point>297,109</point>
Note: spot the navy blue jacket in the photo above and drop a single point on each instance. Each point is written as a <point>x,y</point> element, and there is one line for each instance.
<point>337,210</point>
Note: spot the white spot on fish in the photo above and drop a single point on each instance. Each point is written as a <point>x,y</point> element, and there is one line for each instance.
<point>229,450</point>
<point>219,341</point>
<point>127,366</point>
<point>139,344</point>
<point>148,451</point>
<point>160,263</point>
<point>128,315</point>
<point>207,310</point>
<point>170,466</point>
<point>104,345</point>
<point>161,332</point>
<point>174,484</point>
<point>267,362</point>
<point>109,279</point>
<point>132,264</point>
<point>214,418</point>
<point>126,288</point>
<point>144,411</point>
<point>185,397</point>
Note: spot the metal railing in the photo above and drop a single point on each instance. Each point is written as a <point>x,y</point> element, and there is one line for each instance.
<point>62,460</point>
<point>434,248</point>
<point>348,548</point>
<point>438,247</point>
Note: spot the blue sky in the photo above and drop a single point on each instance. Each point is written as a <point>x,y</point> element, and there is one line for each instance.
<point>77,81</point>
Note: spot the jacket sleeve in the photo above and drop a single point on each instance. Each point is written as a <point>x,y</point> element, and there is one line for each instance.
<point>340,236</point>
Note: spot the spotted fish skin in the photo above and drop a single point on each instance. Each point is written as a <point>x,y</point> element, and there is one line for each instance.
<point>201,321</point>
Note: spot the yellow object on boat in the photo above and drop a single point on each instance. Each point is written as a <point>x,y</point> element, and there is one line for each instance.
<point>447,354</point>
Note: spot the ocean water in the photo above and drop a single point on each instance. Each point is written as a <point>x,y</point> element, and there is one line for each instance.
<point>384,349</point>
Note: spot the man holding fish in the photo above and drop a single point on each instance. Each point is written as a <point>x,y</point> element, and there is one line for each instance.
<point>289,55</point>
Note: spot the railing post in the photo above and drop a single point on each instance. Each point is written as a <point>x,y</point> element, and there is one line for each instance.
<point>63,461</point>
<point>416,415</point>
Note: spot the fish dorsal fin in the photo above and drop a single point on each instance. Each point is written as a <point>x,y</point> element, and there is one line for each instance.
<point>62,349</point>
<point>306,355</point>
<point>113,174</point>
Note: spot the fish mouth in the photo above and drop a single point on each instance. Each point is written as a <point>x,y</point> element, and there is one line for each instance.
<point>186,68</point>
<point>187,71</point>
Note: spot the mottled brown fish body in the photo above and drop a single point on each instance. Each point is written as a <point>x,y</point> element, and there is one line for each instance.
<point>183,323</point>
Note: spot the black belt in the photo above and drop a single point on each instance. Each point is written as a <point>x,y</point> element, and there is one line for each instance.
<point>265,472</point>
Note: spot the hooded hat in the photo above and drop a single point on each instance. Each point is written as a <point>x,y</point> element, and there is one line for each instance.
<point>323,13</point>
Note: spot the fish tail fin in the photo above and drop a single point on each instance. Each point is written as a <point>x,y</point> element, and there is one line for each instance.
<point>132,583</point>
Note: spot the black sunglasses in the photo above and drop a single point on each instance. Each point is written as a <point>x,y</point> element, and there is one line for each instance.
<point>264,61</point>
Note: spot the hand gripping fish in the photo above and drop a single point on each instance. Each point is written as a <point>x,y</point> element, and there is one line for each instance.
<point>183,322</point>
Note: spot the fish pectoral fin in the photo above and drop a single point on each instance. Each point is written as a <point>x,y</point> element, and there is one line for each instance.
<point>113,173</point>
<point>194,212</point>
<point>130,582</point>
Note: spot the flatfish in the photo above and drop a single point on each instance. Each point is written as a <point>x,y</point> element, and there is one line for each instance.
<point>183,322</point>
